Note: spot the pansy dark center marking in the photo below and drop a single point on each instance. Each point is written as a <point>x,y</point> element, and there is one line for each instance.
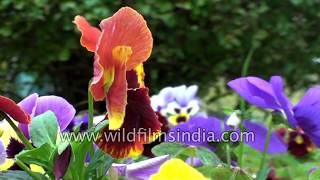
<point>181,119</point>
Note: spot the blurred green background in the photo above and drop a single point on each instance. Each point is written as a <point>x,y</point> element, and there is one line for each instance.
<point>202,42</point>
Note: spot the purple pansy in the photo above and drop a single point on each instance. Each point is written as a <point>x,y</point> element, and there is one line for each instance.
<point>270,95</point>
<point>140,170</point>
<point>209,129</point>
<point>35,105</point>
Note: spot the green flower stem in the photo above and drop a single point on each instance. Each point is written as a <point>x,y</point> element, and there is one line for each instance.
<point>244,72</point>
<point>266,145</point>
<point>228,154</point>
<point>27,169</point>
<point>21,136</point>
<point>90,123</point>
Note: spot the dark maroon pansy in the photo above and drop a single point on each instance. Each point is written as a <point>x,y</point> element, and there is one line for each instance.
<point>139,117</point>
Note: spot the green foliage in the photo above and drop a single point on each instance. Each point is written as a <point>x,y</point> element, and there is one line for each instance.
<point>44,129</point>
<point>222,172</point>
<point>18,175</point>
<point>195,41</point>
<point>315,175</point>
<point>41,156</point>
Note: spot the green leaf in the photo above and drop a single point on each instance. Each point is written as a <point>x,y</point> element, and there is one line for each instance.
<point>207,157</point>
<point>39,156</point>
<point>18,175</point>
<point>44,129</point>
<point>62,146</point>
<point>99,164</point>
<point>315,175</point>
<point>221,172</point>
<point>76,168</point>
<point>172,149</point>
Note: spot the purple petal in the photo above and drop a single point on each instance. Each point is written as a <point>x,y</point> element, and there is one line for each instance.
<point>276,144</point>
<point>308,120</point>
<point>311,97</point>
<point>286,106</point>
<point>195,162</point>
<point>141,170</point>
<point>3,154</point>
<point>63,110</point>
<point>29,103</point>
<point>196,131</point>
<point>256,91</point>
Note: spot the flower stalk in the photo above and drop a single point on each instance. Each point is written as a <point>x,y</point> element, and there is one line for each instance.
<point>21,136</point>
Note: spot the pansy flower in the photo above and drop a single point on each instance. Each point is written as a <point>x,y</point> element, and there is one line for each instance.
<point>35,105</point>
<point>270,95</point>
<point>140,121</point>
<point>122,43</point>
<point>178,104</point>
<point>210,130</point>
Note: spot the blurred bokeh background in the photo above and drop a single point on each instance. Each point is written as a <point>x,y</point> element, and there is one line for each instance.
<point>203,42</point>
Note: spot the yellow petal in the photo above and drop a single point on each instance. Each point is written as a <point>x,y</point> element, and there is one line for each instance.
<point>176,169</point>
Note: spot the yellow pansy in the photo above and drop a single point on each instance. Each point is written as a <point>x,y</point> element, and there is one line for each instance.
<point>176,169</point>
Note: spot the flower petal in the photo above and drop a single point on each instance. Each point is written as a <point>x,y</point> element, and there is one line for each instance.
<point>29,105</point>
<point>308,119</point>
<point>117,98</point>
<point>90,35</point>
<point>311,97</point>
<point>62,109</point>
<point>139,118</point>
<point>141,170</point>
<point>3,154</point>
<point>97,84</point>
<point>256,91</point>
<point>203,127</point>
<point>286,106</point>
<point>276,144</point>
<point>127,27</point>
<point>9,107</point>
<point>178,170</point>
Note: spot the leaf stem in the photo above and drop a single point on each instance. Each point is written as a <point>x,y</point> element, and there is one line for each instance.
<point>27,169</point>
<point>21,136</point>
<point>228,154</point>
<point>90,122</point>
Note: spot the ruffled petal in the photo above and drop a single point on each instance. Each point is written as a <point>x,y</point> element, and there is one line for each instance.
<point>29,103</point>
<point>90,35</point>
<point>62,109</point>
<point>140,121</point>
<point>256,91</point>
<point>9,107</point>
<point>276,144</point>
<point>127,27</point>
<point>97,84</point>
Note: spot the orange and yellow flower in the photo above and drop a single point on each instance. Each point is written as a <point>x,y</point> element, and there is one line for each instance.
<point>123,44</point>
